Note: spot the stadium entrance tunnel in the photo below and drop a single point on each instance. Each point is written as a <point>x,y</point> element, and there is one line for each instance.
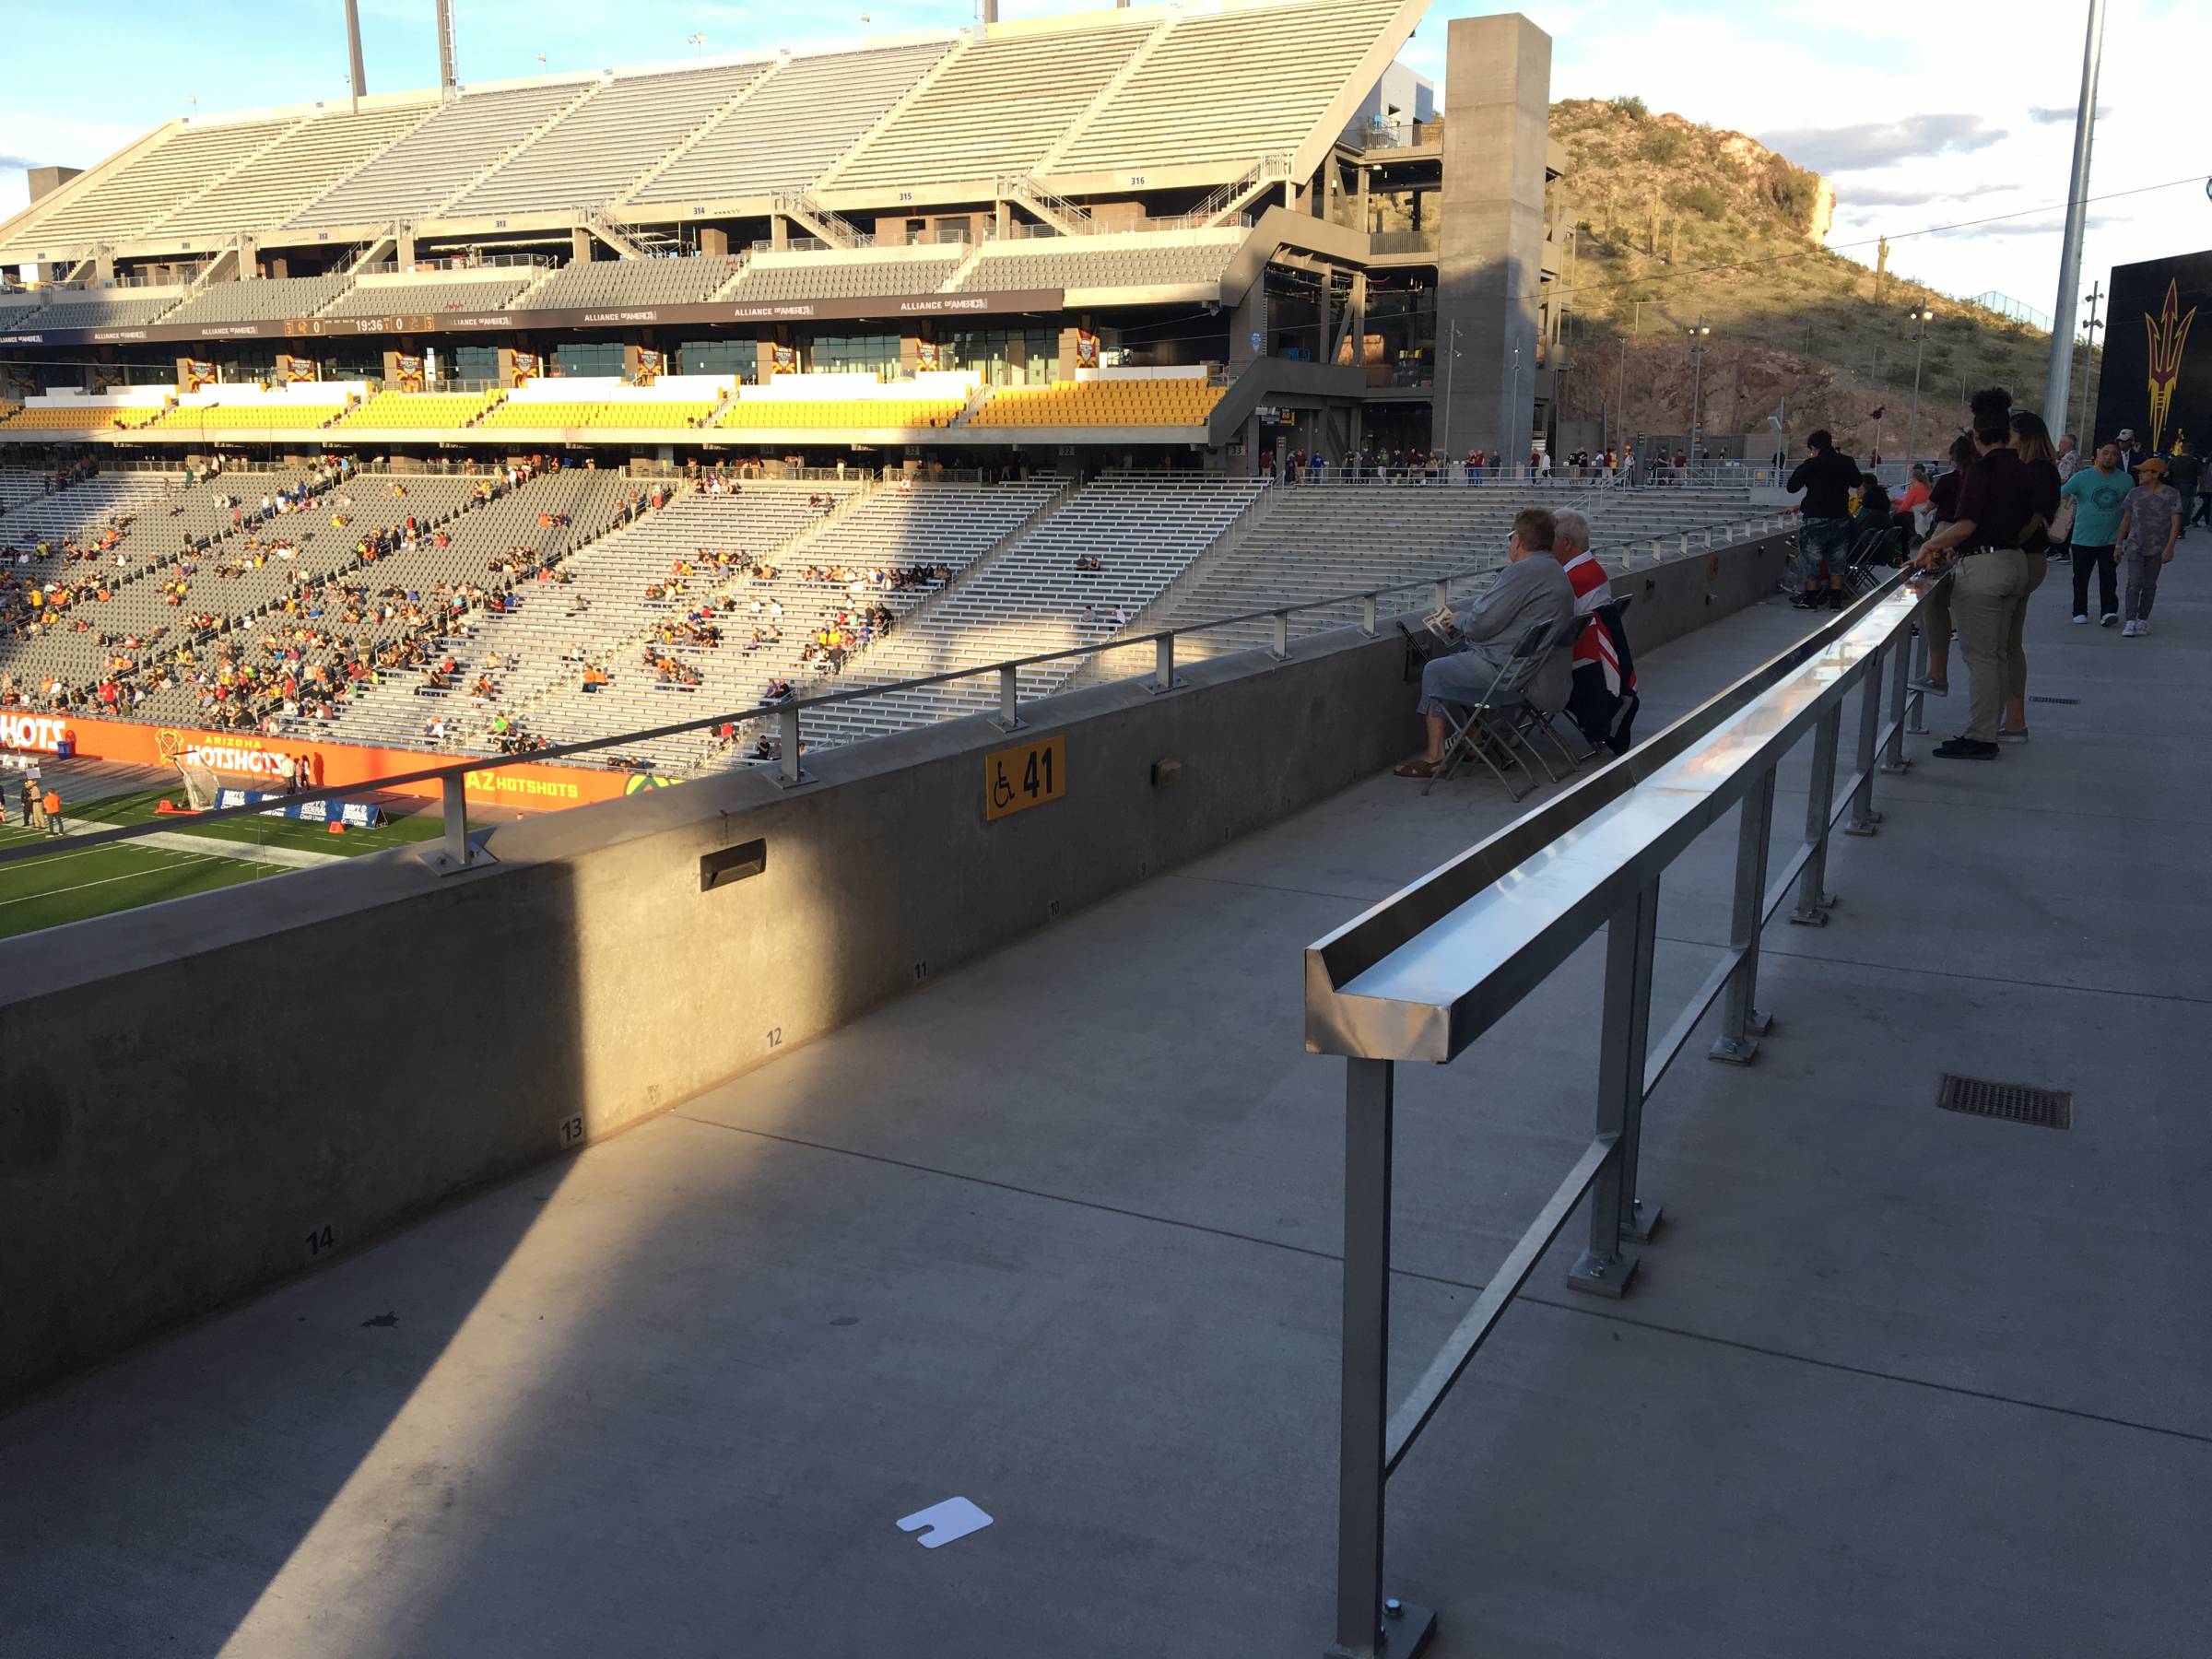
<point>205,1099</point>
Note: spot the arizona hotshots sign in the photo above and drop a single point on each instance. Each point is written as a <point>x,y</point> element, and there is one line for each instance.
<point>41,734</point>
<point>523,786</point>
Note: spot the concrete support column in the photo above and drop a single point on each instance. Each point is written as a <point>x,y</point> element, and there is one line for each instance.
<point>1490,260</point>
<point>1248,323</point>
<point>580,245</point>
<point>713,243</point>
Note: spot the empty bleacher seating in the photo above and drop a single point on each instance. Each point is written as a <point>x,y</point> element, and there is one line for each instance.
<point>635,282</point>
<point>113,308</point>
<point>113,205</point>
<point>419,410</point>
<point>798,414</point>
<point>995,108</point>
<point>261,300</point>
<point>642,412</point>
<point>1230,87</point>
<point>284,178</point>
<point>483,293</point>
<point>1153,402</point>
<point>591,153</point>
<point>442,155</point>
<point>793,125</point>
<point>74,417</point>
<point>811,276</point>
<point>1189,259</point>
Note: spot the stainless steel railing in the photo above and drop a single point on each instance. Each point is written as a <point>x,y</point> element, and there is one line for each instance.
<point>1425,973</point>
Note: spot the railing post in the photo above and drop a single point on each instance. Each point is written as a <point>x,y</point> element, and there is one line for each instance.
<point>451,853</point>
<point>1813,900</point>
<point>1164,664</point>
<point>1009,699</point>
<point>788,769</point>
<point>1281,651</point>
<point>1864,820</point>
<point>1893,749</point>
<point>1606,1267</point>
<point>1367,614</point>
<point>1443,596</point>
<point>1742,1025</point>
<point>1369,1090</point>
<point>1916,703</point>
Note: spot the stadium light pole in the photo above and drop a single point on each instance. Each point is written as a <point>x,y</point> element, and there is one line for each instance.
<point>2088,360</point>
<point>2057,384</point>
<point>1697,332</point>
<point>1922,316</point>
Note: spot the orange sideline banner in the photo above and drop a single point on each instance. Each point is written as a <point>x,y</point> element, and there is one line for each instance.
<point>525,786</point>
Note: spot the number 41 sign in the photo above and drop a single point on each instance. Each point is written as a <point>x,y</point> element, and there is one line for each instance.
<point>1024,776</point>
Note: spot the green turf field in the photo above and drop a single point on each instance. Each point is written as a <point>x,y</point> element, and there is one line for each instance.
<point>71,884</point>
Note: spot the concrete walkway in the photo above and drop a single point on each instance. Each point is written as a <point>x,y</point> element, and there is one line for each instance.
<point>1058,1234</point>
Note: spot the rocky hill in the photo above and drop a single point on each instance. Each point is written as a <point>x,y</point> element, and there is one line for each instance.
<point>1675,222</point>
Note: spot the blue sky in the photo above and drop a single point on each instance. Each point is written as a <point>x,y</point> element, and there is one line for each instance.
<point>1922,115</point>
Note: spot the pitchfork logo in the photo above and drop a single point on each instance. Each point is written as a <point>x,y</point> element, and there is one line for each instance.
<point>2169,332</point>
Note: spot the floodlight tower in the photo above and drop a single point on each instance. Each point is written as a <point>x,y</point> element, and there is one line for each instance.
<point>353,51</point>
<point>447,78</point>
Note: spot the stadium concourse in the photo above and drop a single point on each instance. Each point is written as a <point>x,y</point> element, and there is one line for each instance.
<point>1056,1237</point>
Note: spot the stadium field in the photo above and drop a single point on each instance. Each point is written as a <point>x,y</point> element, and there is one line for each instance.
<point>73,883</point>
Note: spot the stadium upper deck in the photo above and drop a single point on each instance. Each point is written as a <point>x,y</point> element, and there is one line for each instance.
<point>1157,98</point>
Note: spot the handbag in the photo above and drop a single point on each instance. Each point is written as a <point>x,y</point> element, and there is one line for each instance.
<point>2062,525</point>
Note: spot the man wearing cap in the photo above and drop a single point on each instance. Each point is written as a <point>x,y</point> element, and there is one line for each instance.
<point>2131,452</point>
<point>2150,521</point>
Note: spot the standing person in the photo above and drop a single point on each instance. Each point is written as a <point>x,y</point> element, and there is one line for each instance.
<point>31,799</point>
<point>1934,618</point>
<point>53,811</point>
<point>2131,452</point>
<point>2151,520</point>
<point>1824,533</point>
<point>2184,472</point>
<point>2069,457</point>
<point>2098,492</point>
<point>2204,500</point>
<point>2032,442</point>
<point>1996,504</point>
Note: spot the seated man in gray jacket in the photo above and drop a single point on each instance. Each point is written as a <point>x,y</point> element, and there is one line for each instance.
<point>1531,589</point>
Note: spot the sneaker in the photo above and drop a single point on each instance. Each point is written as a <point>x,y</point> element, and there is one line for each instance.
<point>2129,630</point>
<point>2108,618</point>
<point>1804,602</point>
<point>1933,688</point>
<point>2079,618</point>
<point>1965,748</point>
<point>2142,626</point>
<point>2006,737</point>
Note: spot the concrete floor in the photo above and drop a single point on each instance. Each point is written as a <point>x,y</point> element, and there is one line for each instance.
<point>1058,1234</point>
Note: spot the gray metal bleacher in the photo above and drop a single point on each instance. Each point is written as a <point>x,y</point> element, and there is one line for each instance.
<point>593,153</point>
<point>260,300</point>
<point>314,156</point>
<point>467,294</point>
<point>1144,530</point>
<point>118,308</point>
<point>795,276</point>
<point>793,125</point>
<point>442,155</point>
<point>112,206</point>
<point>1195,259</point>
<point>680,281</point>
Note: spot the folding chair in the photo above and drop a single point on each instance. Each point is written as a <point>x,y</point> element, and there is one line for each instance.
<point>1493,715</point>
<point>1876,550</point>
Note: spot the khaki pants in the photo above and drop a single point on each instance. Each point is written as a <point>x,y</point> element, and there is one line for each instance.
<point>2016,657</point>
<point>1987,590</point>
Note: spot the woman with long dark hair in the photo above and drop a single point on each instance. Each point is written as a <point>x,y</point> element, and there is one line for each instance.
<point>2031,441</point>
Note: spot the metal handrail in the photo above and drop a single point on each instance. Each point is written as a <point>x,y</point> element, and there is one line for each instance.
<point>454,852</point>
<point>1426,973</point>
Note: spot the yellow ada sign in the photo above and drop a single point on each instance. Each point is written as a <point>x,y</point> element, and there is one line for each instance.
<point>1024,776</point>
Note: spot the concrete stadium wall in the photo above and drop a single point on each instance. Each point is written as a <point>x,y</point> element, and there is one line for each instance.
<point>200,1098</point>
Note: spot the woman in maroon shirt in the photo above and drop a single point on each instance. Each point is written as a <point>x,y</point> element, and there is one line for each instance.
<point>1997,505</point>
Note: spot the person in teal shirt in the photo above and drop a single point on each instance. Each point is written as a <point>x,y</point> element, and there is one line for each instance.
<point>2098,493</point>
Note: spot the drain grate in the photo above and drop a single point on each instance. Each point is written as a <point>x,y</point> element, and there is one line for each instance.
<point>2015,1102</point>
<point>2055,699</point>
